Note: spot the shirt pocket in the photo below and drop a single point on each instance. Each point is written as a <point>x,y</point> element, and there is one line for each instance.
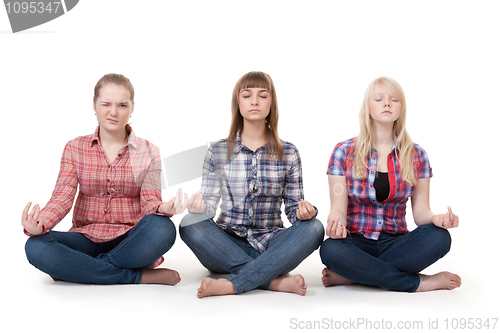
<point>358,189</point>
<point>234,181</point>
<point>272,179</point>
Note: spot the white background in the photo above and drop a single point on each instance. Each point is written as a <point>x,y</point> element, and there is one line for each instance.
<point>184,58</point>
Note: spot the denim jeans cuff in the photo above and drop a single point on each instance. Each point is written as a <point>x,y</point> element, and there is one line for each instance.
<point>236,285</point>
<point>417,284</point>
<point>139,276</point>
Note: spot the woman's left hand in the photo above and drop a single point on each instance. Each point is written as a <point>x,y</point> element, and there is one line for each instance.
<point>175,205</point>
<point>447,220</point>
<point>196,204</point>
<point>305,211</point>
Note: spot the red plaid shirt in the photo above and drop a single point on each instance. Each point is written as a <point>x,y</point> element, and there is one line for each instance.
<point>113,197</point>
<point>365,215</point>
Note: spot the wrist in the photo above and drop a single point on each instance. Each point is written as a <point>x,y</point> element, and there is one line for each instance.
<point>158,210</point>
<point>436,220</point>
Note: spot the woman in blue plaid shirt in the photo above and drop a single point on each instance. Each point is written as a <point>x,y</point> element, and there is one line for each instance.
<point>251,173</point>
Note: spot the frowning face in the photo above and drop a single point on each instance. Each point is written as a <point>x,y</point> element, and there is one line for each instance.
<point>113,108</point>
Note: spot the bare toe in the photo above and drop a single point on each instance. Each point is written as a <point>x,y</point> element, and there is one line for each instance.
<point>442,280</point>
<point>160,276</point>
<point>331,278</point>
<point>212,287</point>
<point>290,284</point>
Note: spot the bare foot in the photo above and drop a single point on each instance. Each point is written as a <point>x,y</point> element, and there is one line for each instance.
<point>160,276</point>
<point>289,284</point>
<point>442,280</point>
<point>212,287</point>
<point>330,278</point>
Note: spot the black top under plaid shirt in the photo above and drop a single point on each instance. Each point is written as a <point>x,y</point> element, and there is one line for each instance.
<point>252,187</point>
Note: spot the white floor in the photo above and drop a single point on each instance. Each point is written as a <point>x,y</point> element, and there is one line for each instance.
<point>321,55</point>
<point>36,303</point>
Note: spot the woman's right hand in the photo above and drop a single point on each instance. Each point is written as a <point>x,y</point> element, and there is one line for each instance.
<point>29,220</point>
<point>196,204</point>
<point>335,229</point>
<point>175,206</point>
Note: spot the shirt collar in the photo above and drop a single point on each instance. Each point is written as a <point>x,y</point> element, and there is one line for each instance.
<point>239,144</point>
<point>95,137</point>
<point>132,139</point>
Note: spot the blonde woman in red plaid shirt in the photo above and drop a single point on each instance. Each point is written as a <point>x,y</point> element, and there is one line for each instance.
<point>371,178</point>
<point>121,227</point>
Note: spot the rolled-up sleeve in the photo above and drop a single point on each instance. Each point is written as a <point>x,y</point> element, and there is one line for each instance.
<point>64,192</point>
<point>210,184</point>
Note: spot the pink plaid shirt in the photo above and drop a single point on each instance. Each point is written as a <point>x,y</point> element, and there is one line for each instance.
<point>113,197</point>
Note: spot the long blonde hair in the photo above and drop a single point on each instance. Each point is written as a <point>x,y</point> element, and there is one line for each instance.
<point>256,80</point>
<point>364,141</point>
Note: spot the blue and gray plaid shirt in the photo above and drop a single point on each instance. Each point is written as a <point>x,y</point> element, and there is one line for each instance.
<point>252,187</point>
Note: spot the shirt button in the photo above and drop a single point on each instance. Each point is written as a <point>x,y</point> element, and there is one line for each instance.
<point>379,222</point>
<point>380,206</point>
<point>119,155</point>
<point>372,172</point>
<point>108,180</point>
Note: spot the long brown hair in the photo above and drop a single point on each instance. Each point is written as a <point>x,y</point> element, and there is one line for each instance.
<point>119,80</point>
<point>256,80</point>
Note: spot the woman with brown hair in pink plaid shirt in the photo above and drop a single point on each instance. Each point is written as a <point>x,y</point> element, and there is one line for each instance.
<point>121,228</point>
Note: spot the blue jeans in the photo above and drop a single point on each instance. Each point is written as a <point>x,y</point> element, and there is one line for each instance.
<point>70,256</point>
<point>248,269</point>
<point>392,262</point>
